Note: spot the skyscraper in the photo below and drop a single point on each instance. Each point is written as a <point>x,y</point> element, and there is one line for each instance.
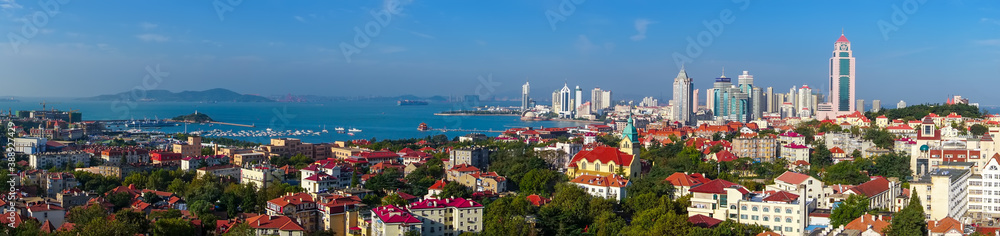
<point>842,80</point>
<point>860,105</point>
<point>683,90</point>
<point>755,95</point>
<point>565,102</point>
<point>525,100</point>
<point>599,100</point>
<point>876,105</point>
<point>710,100</point>
<point>578,98</point>
<point>772,105</point>
<point>694,100</point>
<point>805,106</point>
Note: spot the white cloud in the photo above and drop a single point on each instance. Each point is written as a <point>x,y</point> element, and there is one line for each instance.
<point>9,4</point>
<point>152,38</point>
<point>300,19</point>
<point>148,26</point>
<point>640,27</point>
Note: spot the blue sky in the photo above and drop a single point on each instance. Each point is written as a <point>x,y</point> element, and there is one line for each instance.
<point>443,47</point>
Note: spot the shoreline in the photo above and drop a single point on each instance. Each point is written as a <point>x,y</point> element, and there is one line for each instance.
<point>472,114</point>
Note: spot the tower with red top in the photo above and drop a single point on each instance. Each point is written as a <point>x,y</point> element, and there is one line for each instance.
<point>842,80</point>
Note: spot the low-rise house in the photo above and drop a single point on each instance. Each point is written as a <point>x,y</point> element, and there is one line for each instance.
<point>780,211</point>
<point>224,171</point>
<point>945,227</point>
<point>196,162</point>
<point>795,152</point>
<point>793,182</point>
<point>57,182</point>
<point>881,192</point>
<point>683,182</point>
<point>334,212</point>
<point>390,220</point>
<point>484,181</point>
<point>298,206</point>
<point>47,212</point>
<point>275,225</point>
<point>609,187</point>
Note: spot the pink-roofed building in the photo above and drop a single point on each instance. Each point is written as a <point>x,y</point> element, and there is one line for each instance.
<point>790,137</point>
<point>449,216</point>
<point>609,187</point>
<point>793,182</point>
<point>781,211</point>
<point>795,152</point>
<point>390,220</point>
<point>301,207</point>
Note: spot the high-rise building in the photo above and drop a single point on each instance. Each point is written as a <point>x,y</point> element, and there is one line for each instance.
<point>694,101</point>
<point>805,106</point>
<point>860,105</point>
<point>842,80</point>
<point>771,103</point>
<point>710,100</point>
<point>600,100</point>
<point>578,99</point>
<point>756,97</point>
<point>649,102</point>
<point>556,106</point>
<point>730,102</point>
<point>901,104</point>
<point>565,102</point>
<point>683,90</point>
<point>525,99</point>
<point>876,105</point>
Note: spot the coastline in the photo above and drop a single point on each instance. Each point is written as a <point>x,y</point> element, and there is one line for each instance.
<point>471,114</point>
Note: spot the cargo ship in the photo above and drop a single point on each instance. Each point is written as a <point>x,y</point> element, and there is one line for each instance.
<point>410,102</point>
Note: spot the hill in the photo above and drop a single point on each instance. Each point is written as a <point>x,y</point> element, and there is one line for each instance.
<point>195,117</point>
<point>919,111</point>
<point>211,95</point>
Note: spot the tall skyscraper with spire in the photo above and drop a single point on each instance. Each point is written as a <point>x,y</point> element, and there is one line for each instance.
<point>842,80</point>
<point>525,99</point>
<point>683,90</point>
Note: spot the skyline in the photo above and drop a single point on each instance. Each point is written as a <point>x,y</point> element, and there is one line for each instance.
<point>432,48</point>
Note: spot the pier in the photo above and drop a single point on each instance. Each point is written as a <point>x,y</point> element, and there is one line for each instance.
<point>233,124</point>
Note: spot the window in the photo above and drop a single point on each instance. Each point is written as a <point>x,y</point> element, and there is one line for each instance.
<point>743,216</point>
<point>777,209</point>
<point>755,217</point>
<point>744,207</point>
<point>755,208</point>
<point>788,220</point>
<point>766,209</point>
<point>765,218</point>
<point>788,229</point>
<point>788,210</point>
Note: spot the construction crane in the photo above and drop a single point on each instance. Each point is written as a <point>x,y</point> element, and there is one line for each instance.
<point>70,112</point>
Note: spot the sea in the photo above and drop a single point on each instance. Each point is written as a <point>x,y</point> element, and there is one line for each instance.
<point>377,119</point>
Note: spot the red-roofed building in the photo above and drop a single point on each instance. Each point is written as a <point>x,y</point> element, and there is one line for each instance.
<point>782,211</point>
<point>722,156</point>
<point>792,182</point>
<point>603,161</point>
<point>610,187</point>
<point>683,182</point>
<point>275,225</point>
<point>436,189</point>
<point>337,212</point>
<point>758,147</point>
<point>54,214</point>
<point>704,221</point>
<point>795,152</point>
<point>299,206</point>
<point>390,220</point>
<point>537,200</point>
<point>449,216</point>
<point>881,192</point>
<point>946,226</point>
<point>868,224</point>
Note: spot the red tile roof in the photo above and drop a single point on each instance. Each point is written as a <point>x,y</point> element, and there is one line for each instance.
<point>293,199</point>
<point>604,155</point>
<point>681,179</point>
<point>725,156</point>
<point>717,186</point>
<point>282,223</point>
<point>439,185</point>
<point>781,196</point>
<point>609,181</point>
<point>862,223</point>
<point>537,200</point>
<point>792,177</point>
<point>704,221</point>
<point>390,214</point>
<point>944,225</point>
<point>872,187</point>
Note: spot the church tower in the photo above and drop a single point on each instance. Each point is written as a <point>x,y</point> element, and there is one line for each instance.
<point>630,139</point>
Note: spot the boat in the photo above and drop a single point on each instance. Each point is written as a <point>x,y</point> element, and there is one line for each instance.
<point>149,123</point>
<point>339,129</point>
<point>9,100</point>
<point>410,102</point>
<point>423,127</point>
<point>351,134</point>
<point>354,130</point>
<point>324,129</point>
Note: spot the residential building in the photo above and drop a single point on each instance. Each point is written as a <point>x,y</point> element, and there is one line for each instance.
<point>683,182</point>
<point>876,105</point>
<point>944,191</point>
<point>190,149</point>
<point>761,148</point>
<point>794,182</point>
<point>945,227</point>
<point>288,147</point>
<point>565,151</point>
<point>260,174</point>
<point>447,217</point>
<point>334,213</point>
<point>795,152</point>
<point>781,211</point>
<point>390,220</point>
<point>477,156</point>
<point>59,181</point>
<point>164,157</point>
<point>609,187</point>
<point>484,181</point>
<point>984,201</point>
<point>298,206</point>
<point>229,171</point>
<point>195,162</point>
<point>275,225</point>
<point>244,159</point>
<point>789,137</point>
<point>880,191</point>
<point>59,159</point>
<point>46,212</point>
<point>73,197</point>
<point>30,145</point>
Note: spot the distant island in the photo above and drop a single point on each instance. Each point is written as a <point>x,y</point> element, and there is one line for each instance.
<point>194,118</point>
<point>211,95</point>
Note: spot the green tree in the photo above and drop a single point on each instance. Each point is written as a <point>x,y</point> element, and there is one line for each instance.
<point>909,220</point>
<point>150,197</point>
<point>393,199</point>
<point>201,207</point>
<point>881,137</point>
<point>848,210</point>
<point>455,189</point>
<point>241,229</point>
<point>821,157</point>
<point>608,224</point>
<point>412,233</point>
<point>844,172</point>
<point>82,215</point>
<point>134,221</point>
<point>539,181</point>
<point>978,129</point>
<point>119,200</point>
<point>173,226</point>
